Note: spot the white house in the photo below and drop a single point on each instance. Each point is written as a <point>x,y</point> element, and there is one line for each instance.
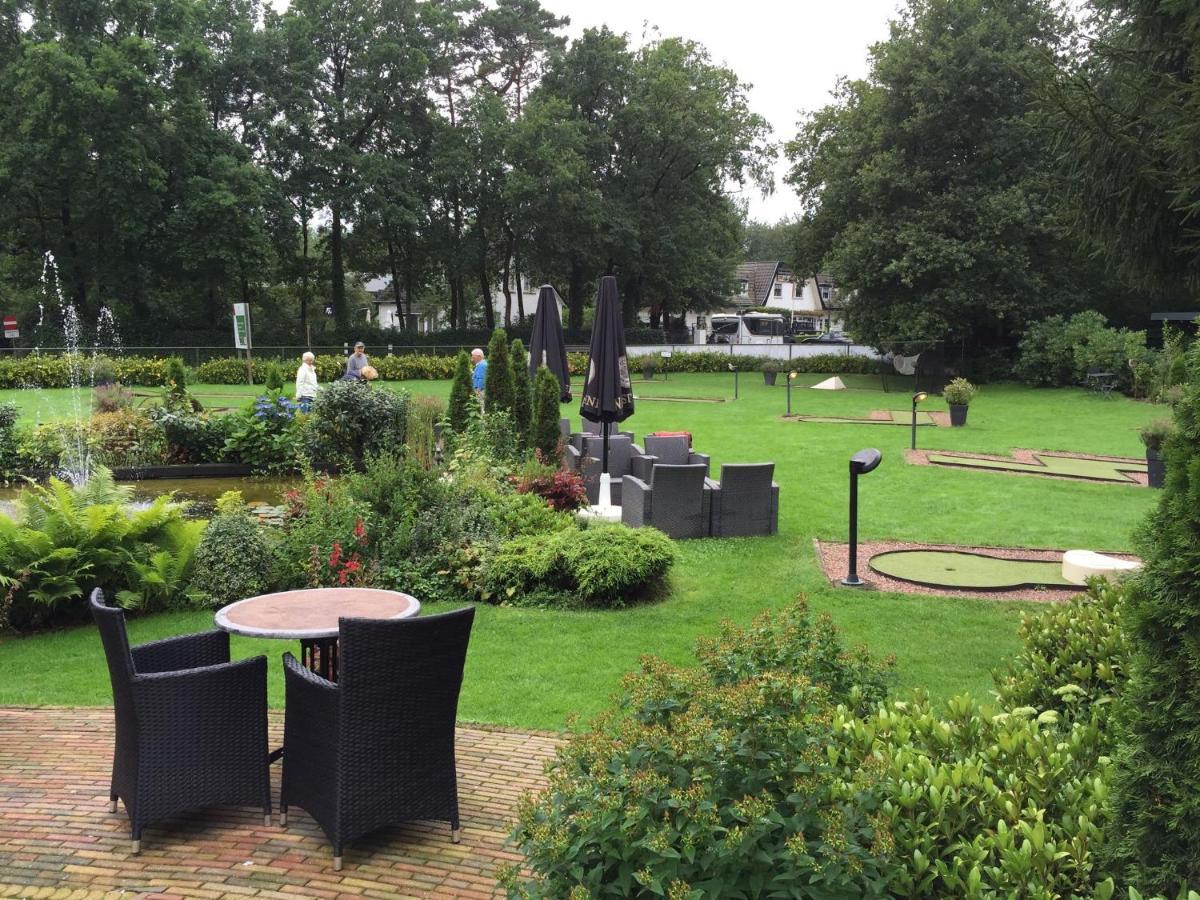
<point>812,302</point>
<point>383,311</point>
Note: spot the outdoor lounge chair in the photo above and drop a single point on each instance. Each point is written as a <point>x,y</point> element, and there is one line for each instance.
<point>191,726</point>
<point>676,500</point>
<point>745,501</point>
<point>621,451</point>
<point>589,427</point>
<point>377,748</point>
<point>672,451</point>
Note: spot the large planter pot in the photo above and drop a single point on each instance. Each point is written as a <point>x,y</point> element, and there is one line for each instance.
<point>958,414</point>
<point>1156,468</point>
<point>769,378</point>
<point>648,372</point>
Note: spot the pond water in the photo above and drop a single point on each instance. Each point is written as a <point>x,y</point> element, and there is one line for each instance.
<point>201,492</point>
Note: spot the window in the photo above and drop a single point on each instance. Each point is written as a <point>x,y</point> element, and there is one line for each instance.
<point>743,288</point>
<point>779,290</point>
<point>825,292</point>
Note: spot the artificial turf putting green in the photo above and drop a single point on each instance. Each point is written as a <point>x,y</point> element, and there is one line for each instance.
<point>895,417</point>
<point>1110,470</point>
<point>962,569</point>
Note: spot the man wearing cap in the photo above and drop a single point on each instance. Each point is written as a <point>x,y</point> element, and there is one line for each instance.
<point>356,362</point>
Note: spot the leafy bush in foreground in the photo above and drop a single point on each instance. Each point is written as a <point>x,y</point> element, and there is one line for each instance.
<point>234,558</point>
<point>723,780</point>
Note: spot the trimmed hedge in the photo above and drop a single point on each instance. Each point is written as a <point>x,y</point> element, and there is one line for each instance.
<point>56,371</point>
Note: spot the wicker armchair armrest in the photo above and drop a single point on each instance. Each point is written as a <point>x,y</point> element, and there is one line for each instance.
<point>227,692</point>
<point>694,458</point>
<point>309,696</point>
<point>189,651</point>
<point>640,465</point>
<point>636,498</point>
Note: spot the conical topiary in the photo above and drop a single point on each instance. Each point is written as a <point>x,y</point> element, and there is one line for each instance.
<point>522,409</point>
<point>498,385</point>
<point>544,434</point>
<point>458,412</point>
<point>1156,804</point>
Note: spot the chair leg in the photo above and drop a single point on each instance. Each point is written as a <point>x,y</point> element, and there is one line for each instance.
<point>112,803</point>
<point>282,816</point>
<point>455,835</point>
<point>337,859</point>
<point>136,845</point>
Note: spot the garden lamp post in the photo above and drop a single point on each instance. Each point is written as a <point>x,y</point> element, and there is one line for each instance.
<point>861,463</point>
<point>916,398</point>
<point>791,377</point>
<point>734,370</point>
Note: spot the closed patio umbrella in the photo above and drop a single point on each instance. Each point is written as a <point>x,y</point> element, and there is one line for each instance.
<point>607,394</point>
<point>546,345</point>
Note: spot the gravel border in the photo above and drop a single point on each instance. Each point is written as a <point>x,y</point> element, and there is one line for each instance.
<point>834,558</point>
<point>1022,455</point>
<point>939,418</point>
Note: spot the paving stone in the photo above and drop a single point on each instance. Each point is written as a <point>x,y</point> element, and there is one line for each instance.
<point>58,839</point>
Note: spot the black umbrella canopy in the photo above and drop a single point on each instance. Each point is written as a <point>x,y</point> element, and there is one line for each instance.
<point>546,345</point>
<point>607,394</point>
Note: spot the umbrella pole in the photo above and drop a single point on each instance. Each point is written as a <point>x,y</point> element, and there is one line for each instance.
<point>604,463</point>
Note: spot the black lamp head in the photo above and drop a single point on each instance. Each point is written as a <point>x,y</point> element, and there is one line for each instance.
<point>865,461</point>
<point>919,396</point>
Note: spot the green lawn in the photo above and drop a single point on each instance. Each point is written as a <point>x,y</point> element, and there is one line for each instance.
<point>534,668</point>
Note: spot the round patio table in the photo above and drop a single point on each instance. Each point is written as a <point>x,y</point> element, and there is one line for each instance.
<point>311,617</point>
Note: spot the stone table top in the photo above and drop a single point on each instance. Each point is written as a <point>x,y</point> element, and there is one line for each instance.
<point>311,614</point>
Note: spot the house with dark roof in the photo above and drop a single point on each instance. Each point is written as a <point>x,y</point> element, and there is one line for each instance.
<point>813,302</point>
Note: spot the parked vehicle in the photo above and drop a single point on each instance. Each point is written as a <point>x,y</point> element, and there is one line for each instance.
<point>829,337</point>
<point>747,328</point>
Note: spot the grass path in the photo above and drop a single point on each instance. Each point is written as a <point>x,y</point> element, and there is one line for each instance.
<point>534,668</point>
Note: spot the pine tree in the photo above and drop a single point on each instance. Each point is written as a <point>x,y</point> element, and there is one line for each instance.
<point>544,434</point>
<point>522,392</point>
<point>1156,822</point>
<point>498,383</point>
<point>458,413</point>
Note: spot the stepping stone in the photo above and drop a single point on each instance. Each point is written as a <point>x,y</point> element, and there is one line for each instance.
<point>830,384</point>
<point>1079,565</point>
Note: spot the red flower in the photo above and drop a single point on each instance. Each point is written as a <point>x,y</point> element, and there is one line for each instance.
<point>336,556</point>
<point>360,532</point>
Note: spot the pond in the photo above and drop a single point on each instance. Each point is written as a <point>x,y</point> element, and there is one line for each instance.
<point>202,493</point>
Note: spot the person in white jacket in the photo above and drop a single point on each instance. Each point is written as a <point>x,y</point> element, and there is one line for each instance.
<point>306,382</point>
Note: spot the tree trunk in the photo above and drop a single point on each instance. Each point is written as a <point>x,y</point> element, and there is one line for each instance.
<point>453,282</point>
<point>632,302</point>
<point>489,314</point>
<point>391,246</point>
<point>337,266</point>
<point>575,297</point>
<point>505,281</point>
<point>78,290</point>
<point>655,316</point>
<point>303,277</point>
<point>520,289</point>
<point>410,288</point>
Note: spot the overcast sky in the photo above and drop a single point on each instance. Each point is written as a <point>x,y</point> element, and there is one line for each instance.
<point>791,51</point>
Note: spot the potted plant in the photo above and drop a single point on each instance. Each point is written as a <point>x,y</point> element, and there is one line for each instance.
<point>958,394</point>
<point>770,369</point>
<point>1154,435</point>
<point>648,368</point>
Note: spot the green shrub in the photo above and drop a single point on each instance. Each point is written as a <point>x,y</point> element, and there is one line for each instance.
<point>1156,801</point>
<point>522,392</point>
<point>352,420</point>
<point>462,407</point>
<point>10,442</point>
<point>605,566</point>
<point>727,781</point>
<point>424,413</point>
<point>498,382</point>
<point>65,541</point>
<point>176,381</point>
<point>37,371</point>
<point>319,515</point>
<point>1074,657</point>
<point>234,559</point>
<point>225,370</point>
<point>1058,351</point>
<point>545,437</point>
<point>694,362</point>
<point>265,435</point>
<point>959,392</point>
<point>126,437</point>
<point>272,375</point>
<point>1154,434</point>
<point>193,437</point>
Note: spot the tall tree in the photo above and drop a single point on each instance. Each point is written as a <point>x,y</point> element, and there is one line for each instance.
<point>358,60</point>
<point>925,182</point>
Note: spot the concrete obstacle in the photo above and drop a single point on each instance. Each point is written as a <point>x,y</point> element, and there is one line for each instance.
<point>1079,565</point>
<point>830,384</point>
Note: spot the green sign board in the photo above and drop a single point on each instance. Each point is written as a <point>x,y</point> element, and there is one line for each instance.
<point>241,326</point>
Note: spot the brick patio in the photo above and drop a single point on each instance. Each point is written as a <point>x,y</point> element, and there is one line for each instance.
<point>57,838</point>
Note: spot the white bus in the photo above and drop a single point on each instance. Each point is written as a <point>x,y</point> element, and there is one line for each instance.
<point>747,328</point>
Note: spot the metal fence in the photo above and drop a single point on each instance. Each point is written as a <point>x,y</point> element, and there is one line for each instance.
<point>194,356</point>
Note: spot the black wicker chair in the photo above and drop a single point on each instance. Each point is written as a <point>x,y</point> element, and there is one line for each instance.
<point>377,748</point>
<point>621,451</point>
<point>670,450</point>
<point>676,500</point>
<point>745,501</point>
<point>191,727</point>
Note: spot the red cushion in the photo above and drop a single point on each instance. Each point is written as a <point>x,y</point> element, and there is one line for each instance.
<point>686,434</point>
